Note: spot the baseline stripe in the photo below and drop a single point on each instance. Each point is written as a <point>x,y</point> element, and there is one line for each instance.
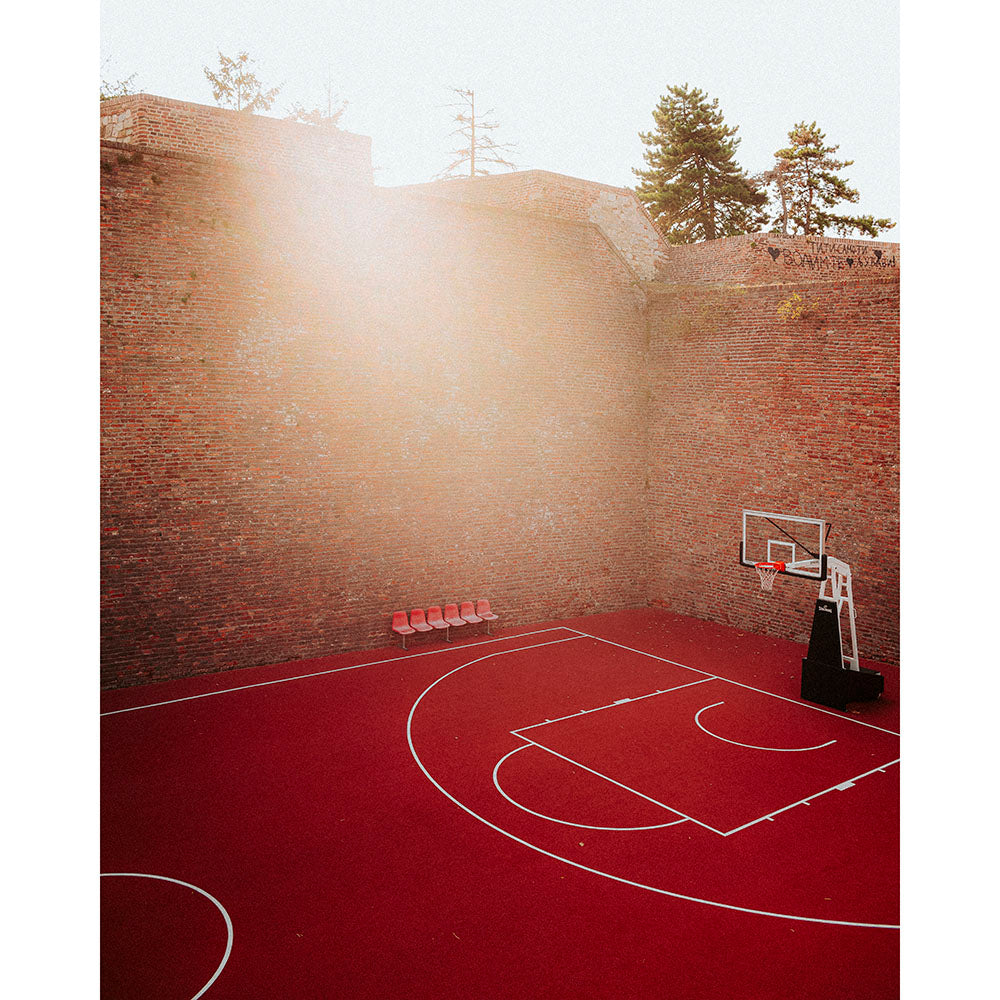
<point>333,670</point>
<point>749,687</point>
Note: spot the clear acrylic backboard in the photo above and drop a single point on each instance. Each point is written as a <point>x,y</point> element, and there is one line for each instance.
<point>798,542</point>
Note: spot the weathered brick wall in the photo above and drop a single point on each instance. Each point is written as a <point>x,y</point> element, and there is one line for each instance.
<point>616,211</point>
<point>772,258</point>
<point>323,401</point>
<point>320,405</point>
<point>799,416</point>
<point>161,123</point>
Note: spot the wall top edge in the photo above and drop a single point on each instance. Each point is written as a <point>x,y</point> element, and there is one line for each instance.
<point>749,238</point>
<point>112,104</point>
<point>221,162</point>
<point>499,180</point>
<point>673,287</point>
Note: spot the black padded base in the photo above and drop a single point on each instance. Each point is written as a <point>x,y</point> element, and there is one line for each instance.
<point>825,680</point>
<point>834,687</point>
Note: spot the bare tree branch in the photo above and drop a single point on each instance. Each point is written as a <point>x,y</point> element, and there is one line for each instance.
<point>477,146</point>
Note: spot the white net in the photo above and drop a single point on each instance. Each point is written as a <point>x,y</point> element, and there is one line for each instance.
<point>767,573</point>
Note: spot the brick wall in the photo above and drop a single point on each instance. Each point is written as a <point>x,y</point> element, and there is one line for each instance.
<point>160,123</point>
<point>796,415</point>
<point>772,258</point>
<point>320,405</point>
<point>324,401</point>
<point>617,212</point>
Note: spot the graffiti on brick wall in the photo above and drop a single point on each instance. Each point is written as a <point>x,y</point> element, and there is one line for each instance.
<point>827,255</point>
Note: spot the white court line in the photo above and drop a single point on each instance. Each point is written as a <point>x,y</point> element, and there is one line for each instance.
<point>577,864</point>
<point>576,763</point>
<point>566,822</point>
<point>749,687</point>
<point>674,809</point>
<point>336,670</point>
<point>804,802</point>
<point>207,895</point>
<point>750,746</point>
<point>614,704</point>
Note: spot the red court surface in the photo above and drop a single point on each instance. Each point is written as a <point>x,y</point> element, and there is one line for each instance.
<point>628,805</point>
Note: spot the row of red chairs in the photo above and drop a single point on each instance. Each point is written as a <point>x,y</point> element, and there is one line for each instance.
<point>454,615</point>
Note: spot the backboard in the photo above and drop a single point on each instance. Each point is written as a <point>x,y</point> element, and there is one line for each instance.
<point>798,542</point>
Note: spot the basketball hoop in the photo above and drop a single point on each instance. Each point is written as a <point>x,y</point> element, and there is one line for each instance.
<point>767,572</point>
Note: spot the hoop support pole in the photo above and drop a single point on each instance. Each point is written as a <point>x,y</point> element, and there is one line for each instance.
<point>836,586</point>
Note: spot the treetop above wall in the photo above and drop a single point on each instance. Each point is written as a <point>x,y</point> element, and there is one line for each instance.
<point>183,128</point>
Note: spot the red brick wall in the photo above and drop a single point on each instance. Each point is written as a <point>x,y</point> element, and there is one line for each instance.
<point>769,258</point>
<point>616,211</point>
<point>321,405</point>
<point>323,402</point>
<point>798,416</point>
<point>271,143</point>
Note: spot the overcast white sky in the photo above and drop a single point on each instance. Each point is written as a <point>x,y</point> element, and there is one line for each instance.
<point>572,83</point>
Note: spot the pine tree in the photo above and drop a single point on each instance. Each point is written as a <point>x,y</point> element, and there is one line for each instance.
<point>694,189</point>
<point>237,87</point>
<point>477,147</point>
<point>805,177</point>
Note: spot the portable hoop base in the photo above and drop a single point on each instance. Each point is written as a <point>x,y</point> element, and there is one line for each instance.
<point>834,687</point>
<point>825,678</point>
<point>831,673</point>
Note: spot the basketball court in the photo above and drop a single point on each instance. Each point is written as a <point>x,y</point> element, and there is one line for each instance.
<point>625,805</point>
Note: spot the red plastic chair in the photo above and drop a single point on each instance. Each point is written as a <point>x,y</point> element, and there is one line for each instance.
<point>400,625</point>
<point>483,610</point>
<point>435,620</point>
<point>419,622</point>
<point>451,615</point>
<point>468,613</point>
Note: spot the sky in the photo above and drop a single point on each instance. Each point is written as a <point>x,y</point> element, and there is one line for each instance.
<point>571,84</point>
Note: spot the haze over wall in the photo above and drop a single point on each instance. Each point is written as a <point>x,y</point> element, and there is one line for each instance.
<point>323,401</point>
